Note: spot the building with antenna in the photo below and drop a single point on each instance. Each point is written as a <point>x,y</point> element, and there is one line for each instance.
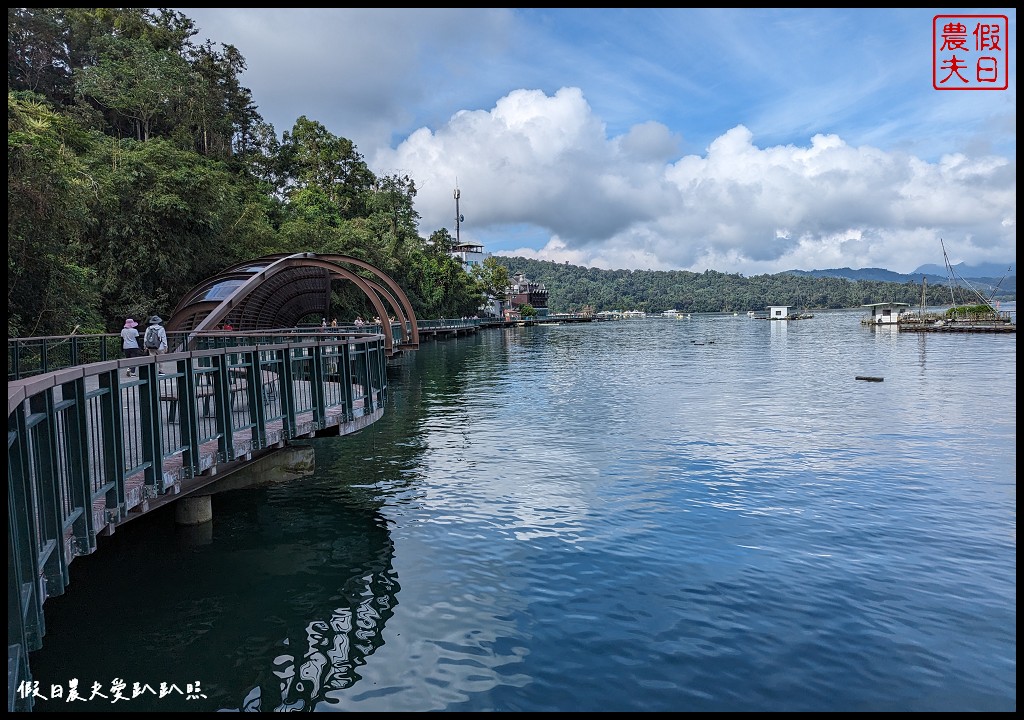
<point>521,291</point>
<point>468,253</point>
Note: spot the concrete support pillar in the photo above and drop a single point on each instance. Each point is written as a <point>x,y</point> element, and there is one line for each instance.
<point>193,510</point>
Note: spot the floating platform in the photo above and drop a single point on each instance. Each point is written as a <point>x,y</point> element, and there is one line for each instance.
<point>958,327</point>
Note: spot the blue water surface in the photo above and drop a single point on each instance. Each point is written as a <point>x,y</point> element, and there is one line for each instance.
<point>704,514</point>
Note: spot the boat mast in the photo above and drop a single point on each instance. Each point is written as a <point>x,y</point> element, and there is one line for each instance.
<point>924,286</point>
<point>955,281</point>
<point>949,273</point>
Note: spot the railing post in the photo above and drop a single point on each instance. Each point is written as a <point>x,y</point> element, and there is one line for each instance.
<point>47,496</point>
<point>316,386</point>
<point>114,461</point>
<point>288,396</point>
<point>78,467</point>
<point>23,566</point>
<point>149,425</point>
<point>222,397</point>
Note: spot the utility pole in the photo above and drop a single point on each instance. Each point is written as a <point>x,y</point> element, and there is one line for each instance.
<point>458,219</point>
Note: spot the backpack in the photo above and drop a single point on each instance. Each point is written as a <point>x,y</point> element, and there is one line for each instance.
<point>152,340</point>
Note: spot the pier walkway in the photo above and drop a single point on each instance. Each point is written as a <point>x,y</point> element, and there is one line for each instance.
<point>90,448</point>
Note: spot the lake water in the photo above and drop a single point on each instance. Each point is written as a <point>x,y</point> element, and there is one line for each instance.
<point>709,514</point>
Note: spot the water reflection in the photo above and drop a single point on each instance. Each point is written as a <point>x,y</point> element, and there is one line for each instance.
<point>332,651</point>
<point>279,608</point>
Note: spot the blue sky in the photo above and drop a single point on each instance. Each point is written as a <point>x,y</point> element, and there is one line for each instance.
<point>739,140</point>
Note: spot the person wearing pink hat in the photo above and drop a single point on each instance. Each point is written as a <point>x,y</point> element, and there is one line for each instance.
<point>130,342</point>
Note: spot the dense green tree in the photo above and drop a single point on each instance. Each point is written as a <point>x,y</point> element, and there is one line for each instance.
<point>136,81</point>
<point>217,116</point>
<point>161,219</point>
<point>393,198</point>
<point>319,168</point>
<point>51,288</point>
<point>494,277</point>
<point>37,55</point>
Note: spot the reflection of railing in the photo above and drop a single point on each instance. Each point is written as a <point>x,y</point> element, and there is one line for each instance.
<point>331,655</point>
<point>90,448</point>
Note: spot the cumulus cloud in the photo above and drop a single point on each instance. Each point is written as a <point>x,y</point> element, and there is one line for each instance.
<point>722,138</point>
<point>547,163</point>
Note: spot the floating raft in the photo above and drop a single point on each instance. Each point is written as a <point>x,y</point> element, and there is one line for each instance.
<point>958,328</point>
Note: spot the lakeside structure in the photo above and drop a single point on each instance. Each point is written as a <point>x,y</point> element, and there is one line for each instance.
<point>521,291</point>
<point>781,312</point>
<point>887,313</point>
<point>524,291</point>
<point>958,319</point>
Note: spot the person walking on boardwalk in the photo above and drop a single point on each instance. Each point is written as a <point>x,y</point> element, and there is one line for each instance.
<point>130,343</point>
<point>156,337</point>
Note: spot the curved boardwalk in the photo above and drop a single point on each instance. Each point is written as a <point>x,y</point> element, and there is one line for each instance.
<point>90,448</point>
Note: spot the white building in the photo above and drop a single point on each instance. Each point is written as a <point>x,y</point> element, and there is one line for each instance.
<point>887,313</point>
<point>469,254</point>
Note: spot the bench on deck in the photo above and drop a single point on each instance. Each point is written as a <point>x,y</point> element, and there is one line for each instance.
<point>240,383</point>
<point>169,394</point>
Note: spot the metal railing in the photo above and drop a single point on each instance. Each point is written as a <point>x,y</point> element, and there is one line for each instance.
<point>89,446</point>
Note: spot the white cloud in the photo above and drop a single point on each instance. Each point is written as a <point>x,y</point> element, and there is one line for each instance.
<point>736,139</point>
<point>628,201</point>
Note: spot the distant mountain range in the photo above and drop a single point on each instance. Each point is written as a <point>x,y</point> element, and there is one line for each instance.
<point>986,277</point>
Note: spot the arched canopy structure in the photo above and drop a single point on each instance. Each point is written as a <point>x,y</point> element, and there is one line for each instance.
<point>276,291</point>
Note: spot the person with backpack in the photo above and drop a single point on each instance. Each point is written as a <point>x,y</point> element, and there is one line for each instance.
<point>155,339</point>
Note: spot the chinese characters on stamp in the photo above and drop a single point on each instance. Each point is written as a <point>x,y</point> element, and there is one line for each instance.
<point>970,52</point>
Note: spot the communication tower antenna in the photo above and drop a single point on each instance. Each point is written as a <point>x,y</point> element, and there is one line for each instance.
<point>458,217</point>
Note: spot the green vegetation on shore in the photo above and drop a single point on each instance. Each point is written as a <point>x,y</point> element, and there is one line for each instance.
<point>574,288</point>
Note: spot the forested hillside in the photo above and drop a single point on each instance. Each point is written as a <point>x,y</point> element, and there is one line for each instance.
<point>573,288</point>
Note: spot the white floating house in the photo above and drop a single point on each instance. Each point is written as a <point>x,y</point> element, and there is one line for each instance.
<point>887,313</point>
<point>778,312</point>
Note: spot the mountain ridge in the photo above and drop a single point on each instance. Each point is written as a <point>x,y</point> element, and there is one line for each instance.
<point>985,276</point>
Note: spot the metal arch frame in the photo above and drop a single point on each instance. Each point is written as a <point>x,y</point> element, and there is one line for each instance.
<point>399,294</point>
<point>402,298</point>
<point>299,260</point>
<point>276,264</point>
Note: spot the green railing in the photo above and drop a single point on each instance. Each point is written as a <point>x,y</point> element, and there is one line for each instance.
<point>88,446</point>
<point>37,355</point>
<point>448,323</point>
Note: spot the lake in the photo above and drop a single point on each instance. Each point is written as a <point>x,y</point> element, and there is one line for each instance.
<point>704,514</point>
